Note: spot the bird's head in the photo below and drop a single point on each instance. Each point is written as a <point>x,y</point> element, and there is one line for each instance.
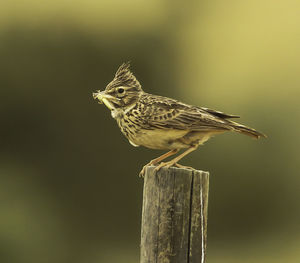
<point>122,92</point>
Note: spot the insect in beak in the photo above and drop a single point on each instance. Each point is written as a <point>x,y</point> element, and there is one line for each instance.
<point>102,97</point>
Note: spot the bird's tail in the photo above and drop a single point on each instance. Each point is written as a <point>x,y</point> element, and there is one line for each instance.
<point>247,130</point>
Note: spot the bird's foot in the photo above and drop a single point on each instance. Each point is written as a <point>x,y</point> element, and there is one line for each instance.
<point>171,163</point>
<point>183,166</point>
<point>143,171</point>
<point>157,160</point>
<point>164,164</point>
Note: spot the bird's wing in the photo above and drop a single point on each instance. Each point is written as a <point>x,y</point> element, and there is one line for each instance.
<point>165,113</point>
<point>219,114</point>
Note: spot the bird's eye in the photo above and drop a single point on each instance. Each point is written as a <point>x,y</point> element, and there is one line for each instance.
<point>121,90</point>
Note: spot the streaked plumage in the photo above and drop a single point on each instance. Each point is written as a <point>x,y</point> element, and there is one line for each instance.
<point>162,123</point>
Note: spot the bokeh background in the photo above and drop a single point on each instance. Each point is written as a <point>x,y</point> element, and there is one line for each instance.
<point>69,190</point>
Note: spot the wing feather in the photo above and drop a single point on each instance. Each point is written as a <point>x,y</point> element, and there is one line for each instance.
<point>167,113</point>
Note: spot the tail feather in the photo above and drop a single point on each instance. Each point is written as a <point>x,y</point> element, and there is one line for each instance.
<point>232,125</point>
<point>247,130</point>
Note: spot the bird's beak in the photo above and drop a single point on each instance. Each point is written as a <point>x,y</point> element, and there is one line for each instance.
<point>102,97</point>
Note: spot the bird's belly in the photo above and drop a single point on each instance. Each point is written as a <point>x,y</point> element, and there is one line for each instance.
<point>160,139</point>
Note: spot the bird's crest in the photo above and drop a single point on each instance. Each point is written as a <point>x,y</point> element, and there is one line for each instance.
<point>124,77</point>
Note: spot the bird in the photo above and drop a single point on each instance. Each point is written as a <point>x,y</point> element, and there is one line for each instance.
<point>162,123</point>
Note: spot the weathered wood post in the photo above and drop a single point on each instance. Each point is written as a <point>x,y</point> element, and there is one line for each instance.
<point>174,217</point>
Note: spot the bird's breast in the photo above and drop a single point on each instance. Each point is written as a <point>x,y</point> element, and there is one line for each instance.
<point>129,127</point>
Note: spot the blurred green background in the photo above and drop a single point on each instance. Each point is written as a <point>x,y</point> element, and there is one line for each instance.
<point>69,190</point>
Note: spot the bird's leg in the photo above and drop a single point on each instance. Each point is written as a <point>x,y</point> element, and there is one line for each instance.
<point>157,160</point>
<point>176,159</point>
<point>162,157</point>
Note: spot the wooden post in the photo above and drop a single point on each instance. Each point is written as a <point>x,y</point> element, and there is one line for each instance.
<point>174,218</point>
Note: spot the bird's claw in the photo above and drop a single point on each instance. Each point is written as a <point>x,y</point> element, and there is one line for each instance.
<point>160,165</point>
<point>183,166</point>
<point>163,164</point>
<point>142,172</point>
